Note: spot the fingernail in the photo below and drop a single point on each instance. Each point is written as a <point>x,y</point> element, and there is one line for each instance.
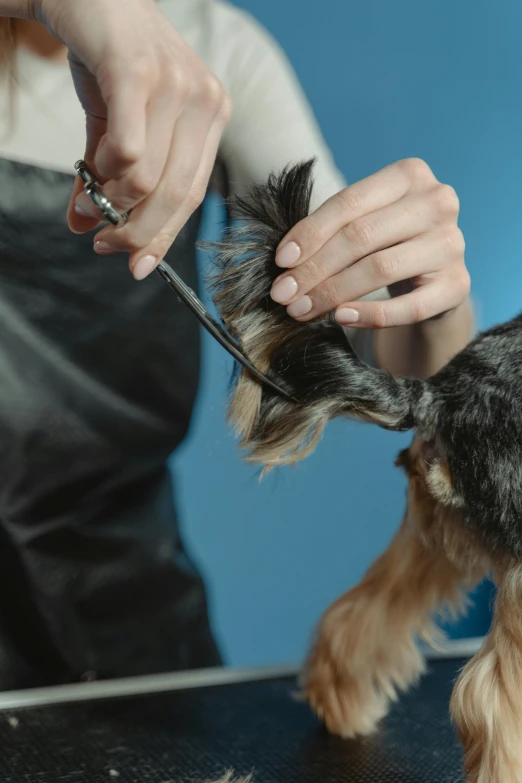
<point>301,307</point>
<point>283,290</point>
<point>103,248</point>
<point>288,255</point>
<point>83,206</point>
<point>144,266</point>
<point>345,315</point>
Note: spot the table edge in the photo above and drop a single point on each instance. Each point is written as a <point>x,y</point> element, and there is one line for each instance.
<point>173,681</point>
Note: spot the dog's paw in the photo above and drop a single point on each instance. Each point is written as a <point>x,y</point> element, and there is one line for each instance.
<point>363,657</point>
<point>349,704</point>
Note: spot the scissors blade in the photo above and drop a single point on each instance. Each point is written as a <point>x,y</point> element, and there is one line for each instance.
<point>184,292</point>
<point>189,298</point>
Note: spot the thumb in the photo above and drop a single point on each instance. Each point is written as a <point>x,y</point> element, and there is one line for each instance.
<point>81,223</point>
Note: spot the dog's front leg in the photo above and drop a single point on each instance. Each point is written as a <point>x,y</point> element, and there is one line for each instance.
<point>365,651</point>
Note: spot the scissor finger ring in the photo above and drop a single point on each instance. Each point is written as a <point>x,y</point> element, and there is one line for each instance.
<point>102,203</point>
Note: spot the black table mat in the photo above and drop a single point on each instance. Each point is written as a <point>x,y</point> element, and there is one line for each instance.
<point>196,735</point>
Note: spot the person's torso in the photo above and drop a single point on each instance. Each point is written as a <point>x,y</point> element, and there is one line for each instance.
<point>96,370</point>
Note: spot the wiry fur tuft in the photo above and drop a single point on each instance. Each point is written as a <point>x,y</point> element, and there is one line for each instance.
<point>314,362</point>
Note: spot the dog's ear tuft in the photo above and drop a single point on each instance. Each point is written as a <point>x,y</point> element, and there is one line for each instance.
<point>313,362</point>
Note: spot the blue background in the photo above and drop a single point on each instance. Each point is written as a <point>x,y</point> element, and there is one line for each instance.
<point>388,79</point>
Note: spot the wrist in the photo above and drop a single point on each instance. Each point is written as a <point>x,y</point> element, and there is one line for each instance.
<point>19,9</point>
<point>420,350</point>
<point>461,316</point>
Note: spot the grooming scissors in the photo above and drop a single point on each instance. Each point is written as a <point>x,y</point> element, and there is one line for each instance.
<point>174,281</point>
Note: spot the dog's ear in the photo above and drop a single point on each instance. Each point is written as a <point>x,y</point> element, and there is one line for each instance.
<point>313,362</point>
<point>440,484</point>
<point>426,460</point>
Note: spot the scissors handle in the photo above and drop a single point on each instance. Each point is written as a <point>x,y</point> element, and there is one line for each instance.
<point>93,189</point>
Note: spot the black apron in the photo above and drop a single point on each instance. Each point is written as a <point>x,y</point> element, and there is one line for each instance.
<point>98,377</point>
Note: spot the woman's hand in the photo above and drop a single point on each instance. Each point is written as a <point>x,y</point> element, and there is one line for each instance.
<point>397,225</point>
<point>155,116</point>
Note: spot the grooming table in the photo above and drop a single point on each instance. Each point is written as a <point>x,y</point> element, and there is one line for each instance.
<point>192,727</point>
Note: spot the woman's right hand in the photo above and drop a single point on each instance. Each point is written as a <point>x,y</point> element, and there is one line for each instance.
<point>155,115</point>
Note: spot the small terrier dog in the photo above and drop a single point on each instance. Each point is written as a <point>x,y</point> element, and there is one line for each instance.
<point>464,513</point>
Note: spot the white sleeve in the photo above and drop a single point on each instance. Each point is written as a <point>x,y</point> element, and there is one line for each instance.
<point>272,122</point>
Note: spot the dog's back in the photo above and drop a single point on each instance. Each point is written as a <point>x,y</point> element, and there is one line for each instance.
<point>478,425</point>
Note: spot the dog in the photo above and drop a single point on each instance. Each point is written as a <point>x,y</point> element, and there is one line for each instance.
<point>463,519</point>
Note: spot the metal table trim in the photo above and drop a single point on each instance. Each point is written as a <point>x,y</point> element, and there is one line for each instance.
<point>159,683</point>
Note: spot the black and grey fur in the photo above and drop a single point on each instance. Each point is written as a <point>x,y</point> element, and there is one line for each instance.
<point>471,411</point>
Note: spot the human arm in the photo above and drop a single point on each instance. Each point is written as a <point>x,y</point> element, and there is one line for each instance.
<point>154,112</point>
<point>273,125</point>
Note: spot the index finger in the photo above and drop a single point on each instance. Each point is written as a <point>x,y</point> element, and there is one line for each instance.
<point>124,142</point>
<point>368,195</point>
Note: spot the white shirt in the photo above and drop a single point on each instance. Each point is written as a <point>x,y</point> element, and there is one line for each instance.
<point>272,123</point>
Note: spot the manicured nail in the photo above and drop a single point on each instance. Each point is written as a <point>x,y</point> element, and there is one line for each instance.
<point>144,266</point>
<point>288,255</point>
<point>345,315</point>
<point>103,248</point>
<point>301,307</point>
<point>283,290</point>
<point>83,206</point>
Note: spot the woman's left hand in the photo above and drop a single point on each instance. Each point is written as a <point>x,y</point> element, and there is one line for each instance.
<point>397,225</point>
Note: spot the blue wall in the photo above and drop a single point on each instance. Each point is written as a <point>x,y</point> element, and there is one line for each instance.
<point>388,79</point>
